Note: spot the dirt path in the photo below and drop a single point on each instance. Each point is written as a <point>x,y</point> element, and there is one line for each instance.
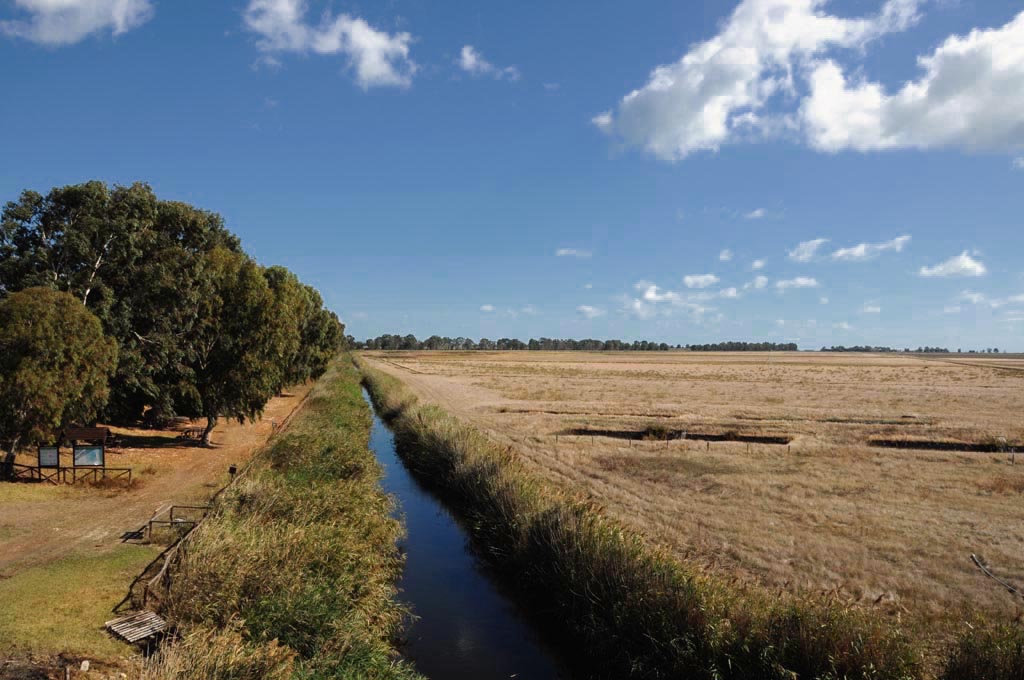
<point>40,523</point>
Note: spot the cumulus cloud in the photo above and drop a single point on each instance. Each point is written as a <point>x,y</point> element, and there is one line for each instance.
<point>961,265</point>
<point>798,282</point>
<point>471,61</point>
<point>823,300</point>
<point>590,312</point>
<point>717,91</point>
<point>700,280</point>
<point>654,300</point>
<point>729,293</point>
<point>756,214</point>
<point>843,326</point>
<point>806,250</point>
<point>378,58</point>
<point>64,22</point>
<point>487,308</point>
<point>757,264</point>
<point>725,255</point>
<point>1019,163</point>
<point>871,309</point>
<point>866,251</point>
<point>970,95</point>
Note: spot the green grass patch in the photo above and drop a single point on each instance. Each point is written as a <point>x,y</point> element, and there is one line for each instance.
<point>293,572</point>
<point>61,606</point>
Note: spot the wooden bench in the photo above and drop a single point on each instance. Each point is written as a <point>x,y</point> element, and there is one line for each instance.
<point>137,626</point>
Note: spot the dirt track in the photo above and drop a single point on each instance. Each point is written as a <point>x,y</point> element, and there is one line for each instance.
<point>40,523</point>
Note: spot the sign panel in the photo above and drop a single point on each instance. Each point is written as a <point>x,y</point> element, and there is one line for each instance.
<point>89,456</point>
<point>49,457</point>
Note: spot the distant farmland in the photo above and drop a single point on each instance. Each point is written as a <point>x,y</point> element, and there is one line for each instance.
<point>875,477</point>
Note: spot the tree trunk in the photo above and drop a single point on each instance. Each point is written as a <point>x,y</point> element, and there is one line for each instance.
<point>7,469</point>
<point>211,422</point>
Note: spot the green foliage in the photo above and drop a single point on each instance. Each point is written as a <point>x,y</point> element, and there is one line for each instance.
<point>160,276</point>
<point>987,652</point>
<point>299,554</point>
<point>638,612</point>
<point>54,365</point>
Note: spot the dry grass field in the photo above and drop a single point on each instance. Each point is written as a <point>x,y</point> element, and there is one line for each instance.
<point>832,510</point>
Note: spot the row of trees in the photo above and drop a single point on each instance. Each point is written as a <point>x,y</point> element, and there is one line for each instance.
<point>194,326</point>
<point>887,350</point>
<point>745,347</point>
<point>437,342</point>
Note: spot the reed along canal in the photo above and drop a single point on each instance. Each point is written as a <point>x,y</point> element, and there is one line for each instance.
<point>468,628</point>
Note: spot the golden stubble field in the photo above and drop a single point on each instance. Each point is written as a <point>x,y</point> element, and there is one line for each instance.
<point>891,528</point>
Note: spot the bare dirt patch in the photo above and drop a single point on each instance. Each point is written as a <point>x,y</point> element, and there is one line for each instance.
<point>46,528</point>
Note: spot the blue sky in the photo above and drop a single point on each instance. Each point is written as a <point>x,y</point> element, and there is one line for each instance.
<point>423,164</point>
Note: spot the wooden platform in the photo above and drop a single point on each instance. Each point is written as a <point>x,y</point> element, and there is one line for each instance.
<point>137,626</point>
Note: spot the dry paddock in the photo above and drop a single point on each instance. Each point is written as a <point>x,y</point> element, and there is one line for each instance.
<point>893,528</point>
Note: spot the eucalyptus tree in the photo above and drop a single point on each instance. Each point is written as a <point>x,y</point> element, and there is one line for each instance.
<point>55,363</point>
<point>236,345</point>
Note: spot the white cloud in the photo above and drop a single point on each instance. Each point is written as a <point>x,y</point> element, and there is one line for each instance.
<point>1019,163</point>
<point>378,58</point>
<point>823,300</point>
<point>716,92</point>
<point>471,61</point>
<point>798,282</point>
<point>757,265</point>
<point>588,286</point>
<point>655,300</point>
<point>756,214</point>
<point>973,298</point>
<point>843,326</point>
<point>725,255</point>
<point>603,121</point>
<point>590,312</point>
<point>572,252</point>
<point>970,95</point>
<point>961,265</point>
<point>528,309</point>
<point>700,280</point>
<point>866,251</point>
<point>806,250</point>
<point>871,309</point>
<point>729,293</point>
<point>487,308</point>
<point>951,309</point>
<point>759,283</point>
<point>64,22</point>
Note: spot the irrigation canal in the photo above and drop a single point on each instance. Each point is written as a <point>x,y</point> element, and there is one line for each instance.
<point>468,627</point>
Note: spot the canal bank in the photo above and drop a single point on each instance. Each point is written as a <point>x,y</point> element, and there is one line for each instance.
<point>466,627</point>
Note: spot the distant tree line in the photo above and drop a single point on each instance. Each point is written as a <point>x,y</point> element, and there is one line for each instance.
<point>187,323</point>
<point>889,350</point>
<point>437,342</point>
<point>745,347</point>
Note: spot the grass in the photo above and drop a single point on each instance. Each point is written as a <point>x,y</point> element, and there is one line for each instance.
<point>636,611</point>
<point>889,529</point>
<point>61,607</point>
<point>292,574</point>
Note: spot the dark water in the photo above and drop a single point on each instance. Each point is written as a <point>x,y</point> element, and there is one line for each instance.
<point>467,627</point>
